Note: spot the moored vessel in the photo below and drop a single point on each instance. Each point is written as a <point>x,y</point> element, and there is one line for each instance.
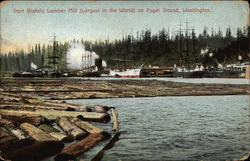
<point>126,73</point>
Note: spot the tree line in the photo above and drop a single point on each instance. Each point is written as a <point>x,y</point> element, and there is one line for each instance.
<point>143,48</point>
<point>165,50</point>
<point>40,55</point>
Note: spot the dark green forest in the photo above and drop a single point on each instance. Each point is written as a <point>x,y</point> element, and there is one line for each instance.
<point>143,48</point>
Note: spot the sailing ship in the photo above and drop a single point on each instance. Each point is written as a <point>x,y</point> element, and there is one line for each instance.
<point>190,68</point>
<point>186,68</point>
<point>125,67</point>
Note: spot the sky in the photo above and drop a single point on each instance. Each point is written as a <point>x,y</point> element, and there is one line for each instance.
<point>40,27</point>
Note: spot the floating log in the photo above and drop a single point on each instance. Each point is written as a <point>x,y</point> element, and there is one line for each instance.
<point>82,108</point>
<point>245,158</point>
<point>34,152</point>
<point>23,116</point>
<point>101,108</point>
<point>59,106</point>
<point>61,137</point>
<point>53,114</point>
<point>15,144</point>
<point>86,126</point>
<point>110,144</point>
<point>72,130</point>
<point>5,122</point>
<point>47,128</point>
<point>73,150</point>
<point>115,117</point>
<point>13,129</point>
<point>36,133</point>
<point>54,132</point>
<point>17,132</point>
<point>57,91</point>
<point>6,138</point>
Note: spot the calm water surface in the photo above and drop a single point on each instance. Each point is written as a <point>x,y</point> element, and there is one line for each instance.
<point>178,128</point>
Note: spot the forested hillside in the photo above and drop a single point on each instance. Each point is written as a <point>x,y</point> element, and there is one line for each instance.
<point>143,48</point>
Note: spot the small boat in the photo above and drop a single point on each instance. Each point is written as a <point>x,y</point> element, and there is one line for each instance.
<point>127,73</point>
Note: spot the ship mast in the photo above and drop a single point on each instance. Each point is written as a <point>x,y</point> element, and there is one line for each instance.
<point>54,58</point>
<point>184,53</point>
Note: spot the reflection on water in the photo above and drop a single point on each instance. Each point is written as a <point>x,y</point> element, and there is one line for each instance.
<point>179,128</point>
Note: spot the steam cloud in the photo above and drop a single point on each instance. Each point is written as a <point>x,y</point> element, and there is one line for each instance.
<point>79,58</point>
<point>33,66</point>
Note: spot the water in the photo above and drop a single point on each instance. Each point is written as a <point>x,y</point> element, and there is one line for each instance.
<point>178,128</point>
<point>184,80</point>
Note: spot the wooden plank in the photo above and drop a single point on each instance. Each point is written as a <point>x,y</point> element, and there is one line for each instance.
<point>73,150</point>
<point>23,116</point>
<point>53,114</point>
<point>36,133</point>
<point>86,126</point>
<point>72,130</point>
<point>34,152</point>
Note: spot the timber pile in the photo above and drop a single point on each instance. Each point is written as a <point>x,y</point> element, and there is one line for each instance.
<point>41,133</point>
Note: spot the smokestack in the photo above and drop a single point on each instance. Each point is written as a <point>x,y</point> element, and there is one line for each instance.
<point>98,64</point>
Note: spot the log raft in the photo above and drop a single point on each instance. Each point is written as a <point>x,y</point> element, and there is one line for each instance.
<point>72,130</point>
<point>52,115</point>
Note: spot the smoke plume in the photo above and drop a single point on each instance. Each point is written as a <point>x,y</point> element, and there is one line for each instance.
<point>79,58</point>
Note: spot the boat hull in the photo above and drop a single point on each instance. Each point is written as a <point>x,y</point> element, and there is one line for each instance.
<point>131,73</point>
<point>224,74</point>
<point>188,74</point>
